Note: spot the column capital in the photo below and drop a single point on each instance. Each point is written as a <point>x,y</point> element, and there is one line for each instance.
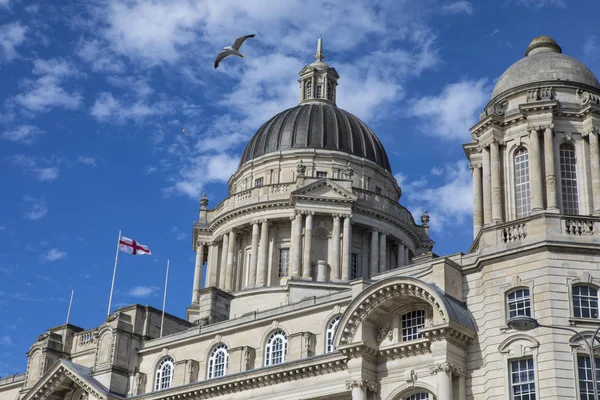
<point>362,383</point>
<point>306,212</point>
<point>448,368</point>
<point>473,167</point>
<point>336,215</point>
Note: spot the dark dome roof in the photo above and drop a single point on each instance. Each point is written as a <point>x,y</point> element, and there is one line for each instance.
<point>316,126</point>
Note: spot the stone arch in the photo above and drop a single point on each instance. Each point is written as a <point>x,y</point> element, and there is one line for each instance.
<point>35,366</point>
<point>105,347</point>
<point>406,389</point>
<point>362,306</point>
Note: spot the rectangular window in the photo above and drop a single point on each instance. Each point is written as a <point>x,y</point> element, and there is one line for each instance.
<point>377,190</point>
<point>568,179</point>
<point>411,322</point>
<point>354,266</point>
<point>258,182</point>
<point>284,262</point>
<point>584,373</point>
<point>585,302</point>
<point>321,174</point>
<point>519,303</point>
<point>319,91</point>
<point>522,189</point>
<point>522,379</point>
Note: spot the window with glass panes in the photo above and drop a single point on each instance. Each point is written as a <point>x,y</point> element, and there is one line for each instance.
<point>321,174</point>
<point>522,189</point>
<point>354,266</point>
<point>284,262</point>
<point>319,91</point>
<point>419,396</point>
<point>412,321</point>
<point>258,182</point>
<point>585,301</point>
<point>308,89</point>
<point>522,379</point>
<point>331,328</point>
<point>519,303</point>
<point>584,374</point>
<point>164,374</point>
<point>218,361</point>
<point>568,179</point>
<point>276,348</point>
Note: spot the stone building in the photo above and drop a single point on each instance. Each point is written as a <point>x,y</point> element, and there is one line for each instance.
<point>319,284</point>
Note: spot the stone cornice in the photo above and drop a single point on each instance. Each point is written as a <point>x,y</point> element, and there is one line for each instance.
<point>253,379</point>
<point>45,387</point>
<point>449,333</point>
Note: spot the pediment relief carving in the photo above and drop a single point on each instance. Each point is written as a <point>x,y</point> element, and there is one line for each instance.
<point>324,190</point>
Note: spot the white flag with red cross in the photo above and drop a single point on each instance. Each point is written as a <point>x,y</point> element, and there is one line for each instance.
<point>130,246</point>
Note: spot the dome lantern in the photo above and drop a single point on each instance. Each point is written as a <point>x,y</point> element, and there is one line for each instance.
<point>318,81</point>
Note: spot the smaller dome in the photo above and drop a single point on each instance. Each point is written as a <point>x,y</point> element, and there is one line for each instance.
<point>544,63</point>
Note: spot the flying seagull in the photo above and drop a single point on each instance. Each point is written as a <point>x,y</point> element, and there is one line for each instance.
<point>233,50</point>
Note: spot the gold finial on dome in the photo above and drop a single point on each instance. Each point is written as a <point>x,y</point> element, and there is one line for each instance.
<point>320,56</point>
<point>542,43</point>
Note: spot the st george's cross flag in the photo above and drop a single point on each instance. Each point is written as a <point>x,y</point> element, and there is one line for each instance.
<point>130,246</point>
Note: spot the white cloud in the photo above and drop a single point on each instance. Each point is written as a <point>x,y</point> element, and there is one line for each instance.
<point>591,48</point>
<point>6,341</point>
<point>143,291</point>
<point>46,91</point>
<point>36,207</point>
<point>99,57</point>
<point>179,235</point>
<point>448,200</point>
<point>26,134</point>
<point>11,36</point>
<point>55,255</point>
<point>197,172</point>
<point>89,161</point>
<point>40,168</point>
<point>458,7</point>
<point>540,3</point>
<point>450,114</point>
<point>5,3</point>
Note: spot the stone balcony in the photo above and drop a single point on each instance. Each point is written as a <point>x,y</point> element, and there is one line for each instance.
<point>543,227</point>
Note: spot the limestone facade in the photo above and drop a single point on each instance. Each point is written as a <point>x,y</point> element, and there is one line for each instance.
<point>318,284</point>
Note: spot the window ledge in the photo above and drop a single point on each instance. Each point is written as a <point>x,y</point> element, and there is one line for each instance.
<point>584,321</point>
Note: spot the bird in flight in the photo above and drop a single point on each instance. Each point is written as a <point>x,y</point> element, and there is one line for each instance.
<point>234,50</point>
<point>184,130</point>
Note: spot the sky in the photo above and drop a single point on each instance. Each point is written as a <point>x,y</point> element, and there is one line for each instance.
<point>96,95</point>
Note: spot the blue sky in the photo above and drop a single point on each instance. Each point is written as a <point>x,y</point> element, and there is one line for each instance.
<point>95,95</point>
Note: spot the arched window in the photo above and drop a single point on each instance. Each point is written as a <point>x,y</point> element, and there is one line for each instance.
<point>518,302</point>
<point>411,322</point>
<point>585,301</point>
<point>276,348</point>
<point>308,89</point>
<point>522,190</point>
<point>419,396</point>
<point>568,179</point>
<point>164,374</point>
<point>330,333</point>
<point>218,361</point>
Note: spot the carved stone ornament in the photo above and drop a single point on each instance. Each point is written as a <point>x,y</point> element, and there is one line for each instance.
<point>540,94</point>
<point>112,317</point>
<point>587,97</point>
<point>410,377</point>
<point>363,383</point>
<point>500,107</point>
<point>348,171</point>
<point>301,169</point>
<point>204,201</point>
<point>384,332</point>
<point>448,368</point>
<point>425,218</point>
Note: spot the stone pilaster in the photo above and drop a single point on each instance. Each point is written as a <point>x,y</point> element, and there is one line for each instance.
<point>551,201</point>
<point>400,255</point>
<point>307,262</point>
<point>297,245</point>
<point>595,170</point>
<point>445,371</point>
<point>535,171</point>
<point>477,199</point>
<point>487,186</point>
<point>261,273</point>
<point>334,259</point>
<point>230,257</point>
<point>374,252</point>
<point>382,252</point>
<point>496,173</point>
<point>212,265</point>
<point>361,387</point>
<point>347,248</point>
<point>223,263</point>
<point>198,272</point>
<point>253,254</point>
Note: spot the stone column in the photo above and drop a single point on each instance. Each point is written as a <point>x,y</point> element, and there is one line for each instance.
<point>382,252</point>
<point>198,273</point>
<point>462,387</point>
<point>223,263</point>
<point>487,186</point>
<point>406,256</point>
<point>261,273</point>
<point>535,172</point>
<point>444,380</point>
<point>230,256</point>
<point>595,167</point>
<point>347,248</point>
<point>374,252</point>
<point>496,181</point>
<point>400,255</point>
<point>253,255</point>
<point>334,259</point>
<point>297,245</point>
<point>212,265</point>
<point>361,387</point>
<point>477,200</point>
<point>550,170</point>
<point>306,263</point>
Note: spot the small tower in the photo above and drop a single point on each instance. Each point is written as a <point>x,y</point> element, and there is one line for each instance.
<point>318,81</point>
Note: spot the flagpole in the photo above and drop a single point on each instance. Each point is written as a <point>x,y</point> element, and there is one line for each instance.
<point>112,286</point>
<point>162,320</point>
<point>70,304</point>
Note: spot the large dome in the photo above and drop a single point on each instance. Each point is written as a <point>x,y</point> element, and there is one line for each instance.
<point>316,125</point>
<point>544,62</point>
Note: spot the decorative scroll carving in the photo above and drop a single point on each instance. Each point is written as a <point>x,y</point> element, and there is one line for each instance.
<point>540,94</point>
<point>384,332</point>
<point>411,377</point>
<point>587,97</point>
<point>449,368</point>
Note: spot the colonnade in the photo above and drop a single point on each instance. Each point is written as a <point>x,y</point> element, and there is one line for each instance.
<point>221,271</point>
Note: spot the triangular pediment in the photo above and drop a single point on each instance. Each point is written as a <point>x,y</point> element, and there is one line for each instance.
<point>324,190</point>
<point>68,381</point>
